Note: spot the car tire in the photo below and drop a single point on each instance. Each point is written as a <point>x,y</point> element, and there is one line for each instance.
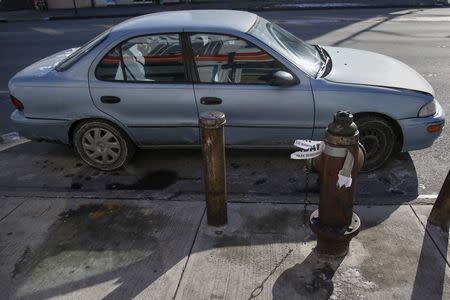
<point>379,140</point>
<point>102,145</point>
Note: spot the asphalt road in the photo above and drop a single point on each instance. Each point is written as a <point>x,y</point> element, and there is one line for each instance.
<point>420,38</point>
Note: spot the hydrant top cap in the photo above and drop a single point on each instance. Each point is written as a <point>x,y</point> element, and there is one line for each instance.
<point>343,116</point>
<point>343,124</point>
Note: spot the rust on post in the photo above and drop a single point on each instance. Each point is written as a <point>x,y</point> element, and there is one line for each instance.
<point>440,214</point>
<point>214,176</point>
<point>335,223</point>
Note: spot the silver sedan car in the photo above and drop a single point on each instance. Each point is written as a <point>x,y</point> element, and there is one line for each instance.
<point>144,82</point>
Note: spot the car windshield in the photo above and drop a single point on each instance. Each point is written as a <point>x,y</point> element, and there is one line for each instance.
<point>302,54</point>
<point>80,52</point>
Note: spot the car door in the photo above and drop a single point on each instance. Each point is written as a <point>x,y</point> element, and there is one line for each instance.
<point>234,77</point>
<point>142,82</point>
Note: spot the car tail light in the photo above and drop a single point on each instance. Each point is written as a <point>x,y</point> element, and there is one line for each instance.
<point>16,102</point>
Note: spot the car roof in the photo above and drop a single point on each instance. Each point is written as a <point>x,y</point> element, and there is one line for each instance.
<point>185,20</point>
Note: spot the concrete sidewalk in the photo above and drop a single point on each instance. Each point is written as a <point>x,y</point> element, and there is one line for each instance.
<point>258,5</point>
<point>124,249</point>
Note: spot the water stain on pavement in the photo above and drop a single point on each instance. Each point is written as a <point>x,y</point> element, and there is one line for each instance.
<point>275,222</point>
<point>93,211</point>
<point>260,181</point>
<point>76,186</point>
<point>77,239</point>
<point>235,166</point>
<point>18,267</point>
<point>157,180</point>
<point>310,279</point>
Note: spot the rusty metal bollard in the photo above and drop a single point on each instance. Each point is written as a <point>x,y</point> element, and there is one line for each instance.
<point>335,223</point>
<point>440,214</point>
<point>214,177</point>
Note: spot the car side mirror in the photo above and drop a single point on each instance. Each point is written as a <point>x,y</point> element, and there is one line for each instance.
<point>283,78</point>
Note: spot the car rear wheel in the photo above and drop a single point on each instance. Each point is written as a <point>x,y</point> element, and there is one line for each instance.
<point>102,145</point>
<point>378,138</point>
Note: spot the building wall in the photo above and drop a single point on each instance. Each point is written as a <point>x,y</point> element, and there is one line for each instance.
<point>123,2</point>
<point>16,4</point>
<point>58,4</point>
<point>61,4</point>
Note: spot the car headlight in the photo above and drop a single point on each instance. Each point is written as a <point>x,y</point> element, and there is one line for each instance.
<point>428,109</point>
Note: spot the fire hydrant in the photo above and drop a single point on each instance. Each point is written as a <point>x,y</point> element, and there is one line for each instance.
<point>335,223</point>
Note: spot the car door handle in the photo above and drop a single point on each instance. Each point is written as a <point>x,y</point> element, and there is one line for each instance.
<point>110,99</point>
<point>210,100</point>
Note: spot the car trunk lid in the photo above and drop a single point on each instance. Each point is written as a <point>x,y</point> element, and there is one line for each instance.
<point>43,66</point>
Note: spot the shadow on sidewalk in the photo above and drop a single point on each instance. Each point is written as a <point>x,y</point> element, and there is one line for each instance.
<point>149,243</point>
<point>311,278</point>
<point>95,243</point>
<point>431,266</point>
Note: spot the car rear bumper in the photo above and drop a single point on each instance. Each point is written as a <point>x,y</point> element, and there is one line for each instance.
<point>41,129</point>
<point>415,134</point>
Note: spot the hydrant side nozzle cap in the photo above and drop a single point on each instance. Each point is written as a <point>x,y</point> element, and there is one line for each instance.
<point>343,124</point>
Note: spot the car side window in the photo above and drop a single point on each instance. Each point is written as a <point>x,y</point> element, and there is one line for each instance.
<point>110,67</point>
<point>152,58</point>
<point>228,59</point>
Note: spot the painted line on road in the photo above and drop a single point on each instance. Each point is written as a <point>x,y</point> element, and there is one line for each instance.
<point>430,196</point>
<point>10,140</point>
<point>4,92</point>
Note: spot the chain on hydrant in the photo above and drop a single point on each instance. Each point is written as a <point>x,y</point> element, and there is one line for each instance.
<point>335,223</point>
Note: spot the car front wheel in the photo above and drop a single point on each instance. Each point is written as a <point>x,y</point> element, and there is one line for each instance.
<point>102,145</point>
<point>378,138</point>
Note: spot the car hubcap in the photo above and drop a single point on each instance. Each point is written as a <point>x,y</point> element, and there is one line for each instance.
<point>373,141</point>
<point>101,146</point>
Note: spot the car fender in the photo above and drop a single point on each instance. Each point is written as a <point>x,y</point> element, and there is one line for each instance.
<point>395,104</point>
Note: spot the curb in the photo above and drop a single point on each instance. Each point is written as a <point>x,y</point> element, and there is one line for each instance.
<point>254,9</point>
<point>152,195</point>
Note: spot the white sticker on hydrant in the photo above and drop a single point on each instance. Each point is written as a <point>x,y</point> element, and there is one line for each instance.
<point>306,144</point>
<point>308,149</point>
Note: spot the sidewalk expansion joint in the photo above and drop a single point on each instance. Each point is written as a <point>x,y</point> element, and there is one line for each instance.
<point>190,252</point>
<point>444,256</point>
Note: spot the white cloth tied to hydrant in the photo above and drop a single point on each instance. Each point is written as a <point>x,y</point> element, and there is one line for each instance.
<point>345,174</point>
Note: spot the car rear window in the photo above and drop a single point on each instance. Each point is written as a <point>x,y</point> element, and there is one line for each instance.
<point>78,54</point>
